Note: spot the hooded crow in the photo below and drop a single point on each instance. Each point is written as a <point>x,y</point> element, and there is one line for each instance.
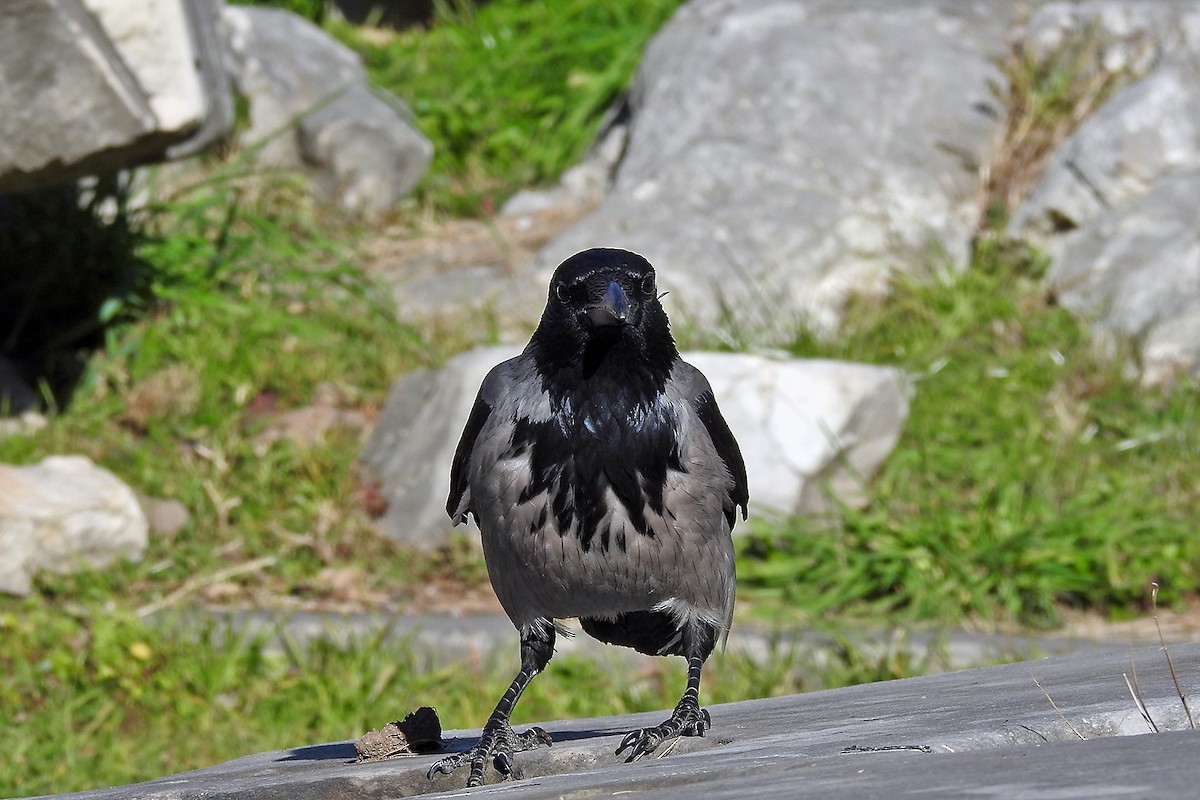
<point>606,484</point>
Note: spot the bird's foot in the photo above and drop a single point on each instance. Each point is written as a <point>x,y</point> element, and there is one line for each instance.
<point>688,720</point>
<point>497,744</point>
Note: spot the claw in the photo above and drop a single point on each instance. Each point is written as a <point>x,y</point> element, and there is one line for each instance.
<point>686,721</point>
<point>629,740</point>
<point>540,735</point>
<point>444,766</point>
<point>497,745</point>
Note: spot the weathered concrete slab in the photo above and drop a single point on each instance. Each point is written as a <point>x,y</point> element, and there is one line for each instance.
<point>983,732</point>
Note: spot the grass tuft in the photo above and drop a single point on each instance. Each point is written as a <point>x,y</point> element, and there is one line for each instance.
<point>511,92</point>
<point>1047,94</point>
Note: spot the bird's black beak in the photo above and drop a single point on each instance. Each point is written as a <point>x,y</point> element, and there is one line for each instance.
<point>613,308</point>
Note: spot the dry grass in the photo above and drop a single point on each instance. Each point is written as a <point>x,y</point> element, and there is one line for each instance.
<point>1048,93</point>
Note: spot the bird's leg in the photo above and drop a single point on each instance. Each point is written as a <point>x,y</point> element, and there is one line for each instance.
<point>499,741</point>
<point>689,719</point>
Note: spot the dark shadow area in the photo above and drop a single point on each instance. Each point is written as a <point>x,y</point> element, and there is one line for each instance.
<point>401,14</point>
<point>575,736</point>
<point>337,751</point>
<point>69,269</point>
<point>344,751</point>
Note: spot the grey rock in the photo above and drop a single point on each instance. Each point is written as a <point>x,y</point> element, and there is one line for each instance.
<point>90,86</point>
<point>1134,273</point>
<point>1117,206</point>
<point>412,445</point>
<point>782,155</point>
<point>1145,133</point>
<point>284,66</point>
<point>204,18</point>
<point>1131,34</point>
<point>61,514</point>
<point>992,731</point>
<point>584,184</point>
<point>810,431</point>
<point>311,106</point>
<point>365,151</point>
<point>164,517</point>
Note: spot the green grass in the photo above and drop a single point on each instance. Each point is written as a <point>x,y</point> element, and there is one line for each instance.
<point>1031,475</point>
<point>251,312</point>
<point>513,92</point>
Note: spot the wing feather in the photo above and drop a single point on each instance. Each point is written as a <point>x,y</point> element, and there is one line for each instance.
<point>728,450</point>
<point>458,504</point>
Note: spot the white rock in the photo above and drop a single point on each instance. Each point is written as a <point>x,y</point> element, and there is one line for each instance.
<point>61,514</point>
<point>153,39</point>
<point>94,86</point>
<point>810,432</point>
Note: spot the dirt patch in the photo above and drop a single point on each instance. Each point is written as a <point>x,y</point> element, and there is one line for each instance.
<point>419,732</point>
<point>1178,625</point>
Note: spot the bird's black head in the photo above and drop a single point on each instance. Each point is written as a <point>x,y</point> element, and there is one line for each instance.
<point>602,310</point>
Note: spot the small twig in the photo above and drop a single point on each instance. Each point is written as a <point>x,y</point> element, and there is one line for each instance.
<point>1141,707</point>
<point>1054,705</point>
<point>1137,701</point>
<point>1035,733</point>
<point>1170,664</point>
<point>1137,696</point>
<point>201,581</point>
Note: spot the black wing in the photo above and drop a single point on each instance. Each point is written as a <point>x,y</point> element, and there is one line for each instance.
<point>728,450</point>
<point>460,470</point>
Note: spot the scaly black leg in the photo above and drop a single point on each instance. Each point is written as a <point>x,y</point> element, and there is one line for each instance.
<point>499,741</point>
<point>689,719</point>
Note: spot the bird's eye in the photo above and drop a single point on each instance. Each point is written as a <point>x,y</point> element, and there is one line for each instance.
<point>560,291</point>
<point>648,285</point>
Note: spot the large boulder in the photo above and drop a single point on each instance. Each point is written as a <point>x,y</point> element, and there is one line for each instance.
<point>1118,206</point>
<point>1146,132</point>
<point>811,432</point>
<point>61,514</point>
<point>784,154</point>
<point>94,86</point>
<point>312,106</point>
<point>1134,274</point>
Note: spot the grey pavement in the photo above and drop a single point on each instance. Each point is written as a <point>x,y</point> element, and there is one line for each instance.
<point>1062,727</point>
<point>450,638</point>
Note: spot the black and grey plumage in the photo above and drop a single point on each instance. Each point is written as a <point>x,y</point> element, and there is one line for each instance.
<point>606,485</point>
